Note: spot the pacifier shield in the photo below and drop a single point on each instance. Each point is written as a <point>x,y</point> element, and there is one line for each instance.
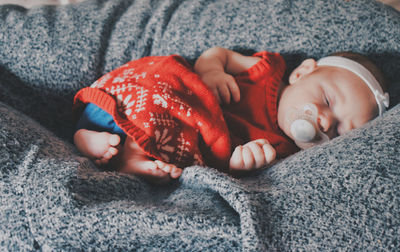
<point>303,130</point>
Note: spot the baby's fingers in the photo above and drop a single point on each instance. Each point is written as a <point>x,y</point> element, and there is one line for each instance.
<point>248,158</point>
<point>234,89</point>
<point>224,94</point>
<point>256,158</point>
<point>216,94</point>
<point>266,150</point>
<point>269,153</point>
<point>236,161</point>
<point>228,90</point>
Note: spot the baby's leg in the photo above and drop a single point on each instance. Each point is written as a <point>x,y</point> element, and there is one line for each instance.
<point>134,160</point>
<point>98,146</point>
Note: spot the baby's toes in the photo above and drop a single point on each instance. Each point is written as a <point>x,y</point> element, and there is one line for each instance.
<point>175,172</point>
<point>163,166</point>
<point>113,151</point>
<point>114,140</point>
<point>107,155</point>
<point>101,161</point>
<point>97,162</point>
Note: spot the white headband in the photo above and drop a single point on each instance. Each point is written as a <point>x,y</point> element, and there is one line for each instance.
<point>382,99</point>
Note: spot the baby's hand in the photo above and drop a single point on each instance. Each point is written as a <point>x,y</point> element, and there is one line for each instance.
<point>222,85</point>
<point>253,155</point>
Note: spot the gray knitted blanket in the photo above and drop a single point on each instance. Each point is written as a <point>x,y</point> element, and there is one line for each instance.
<point>343,195</point>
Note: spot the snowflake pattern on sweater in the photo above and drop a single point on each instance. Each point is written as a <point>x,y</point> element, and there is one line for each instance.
<point>165,107</point>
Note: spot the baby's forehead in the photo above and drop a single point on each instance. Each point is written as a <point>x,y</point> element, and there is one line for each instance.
<point>361,107</point>
<point>366,77</point>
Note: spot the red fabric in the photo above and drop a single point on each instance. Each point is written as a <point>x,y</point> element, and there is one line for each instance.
<point>173,116</point>
<point>166,108</point>
<point>255,115</point>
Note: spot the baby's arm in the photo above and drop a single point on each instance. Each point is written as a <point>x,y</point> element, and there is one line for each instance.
<point>253,155</point>
<point>216,66</point>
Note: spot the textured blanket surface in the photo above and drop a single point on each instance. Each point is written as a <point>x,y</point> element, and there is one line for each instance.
<point>342,195</point>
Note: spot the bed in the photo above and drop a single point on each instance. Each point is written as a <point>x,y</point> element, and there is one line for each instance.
<point>342,195</point>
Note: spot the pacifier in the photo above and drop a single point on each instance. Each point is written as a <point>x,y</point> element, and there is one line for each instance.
<point>304,127</point>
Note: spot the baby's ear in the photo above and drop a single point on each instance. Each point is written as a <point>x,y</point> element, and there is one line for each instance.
<point>306,67</point>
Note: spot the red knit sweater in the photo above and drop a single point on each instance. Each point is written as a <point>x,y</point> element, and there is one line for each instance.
<point>255,115</point>
<point>161,103</point>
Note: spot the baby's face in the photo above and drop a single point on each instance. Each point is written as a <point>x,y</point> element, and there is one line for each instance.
<point>343,100</point>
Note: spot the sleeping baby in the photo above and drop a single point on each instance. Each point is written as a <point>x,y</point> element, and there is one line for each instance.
<point>156,115</point>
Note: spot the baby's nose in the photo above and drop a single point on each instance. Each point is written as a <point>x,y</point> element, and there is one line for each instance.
<point>328,124</point>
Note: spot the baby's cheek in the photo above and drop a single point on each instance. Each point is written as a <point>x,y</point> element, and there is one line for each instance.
<point>340,130</point>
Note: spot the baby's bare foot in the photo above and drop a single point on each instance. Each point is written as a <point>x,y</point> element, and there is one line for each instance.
<point>98,146</point>
<point>154,171</point>
<point>135,161</point>
<point>172,170</point>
